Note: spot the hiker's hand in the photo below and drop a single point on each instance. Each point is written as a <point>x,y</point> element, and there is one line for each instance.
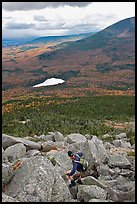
<point>67,177</point>
<point>67,172</point>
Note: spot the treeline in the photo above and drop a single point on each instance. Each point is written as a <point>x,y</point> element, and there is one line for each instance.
<point>83,115</point>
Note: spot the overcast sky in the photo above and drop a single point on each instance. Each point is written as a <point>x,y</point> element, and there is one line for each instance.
<point>24,19</point>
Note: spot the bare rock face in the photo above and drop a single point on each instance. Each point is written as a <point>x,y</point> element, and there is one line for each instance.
<point>6,198</point>
<point>7,173</point>
<point>35,181</point>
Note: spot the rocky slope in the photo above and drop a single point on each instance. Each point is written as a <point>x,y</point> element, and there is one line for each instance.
<point>33,171</point>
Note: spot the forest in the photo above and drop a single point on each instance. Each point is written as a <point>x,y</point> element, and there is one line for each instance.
<point>85,115</point>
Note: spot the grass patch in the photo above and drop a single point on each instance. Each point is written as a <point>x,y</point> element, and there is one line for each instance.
<point>131,153</point>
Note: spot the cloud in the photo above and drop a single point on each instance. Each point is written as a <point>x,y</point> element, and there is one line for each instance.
<point>14,25</point>
<point>14,6</point>
<point>49,26</point>
<point>39,18</point>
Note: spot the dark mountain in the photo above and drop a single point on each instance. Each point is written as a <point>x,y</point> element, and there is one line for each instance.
<point>123,29</point>
<point>112,37</point>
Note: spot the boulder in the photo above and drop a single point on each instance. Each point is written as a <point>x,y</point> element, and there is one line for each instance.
<point>121,143</point>
<point>121,136</point>
<point>118,160</point>
<point>15,152</point>
<point>76,138</point>
<point>35,181</point>
<point>61,161</point>
<point>50,145</point>
<point>60,192</point>
<point>9,140</point>
<point>58,137</point>
<point>98,150</point>
<point>7,173</point>
<point>47,138</point>
<point>88,192</point>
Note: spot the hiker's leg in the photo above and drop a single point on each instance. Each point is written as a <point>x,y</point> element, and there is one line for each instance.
<point>76,176</point>
<point>79,178</point>
<point>73,183</point>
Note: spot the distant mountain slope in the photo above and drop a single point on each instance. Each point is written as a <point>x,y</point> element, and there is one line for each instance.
<point>113,37</point>
<point>122,29</point>
<point>47,39</point>
<point>15,42</point>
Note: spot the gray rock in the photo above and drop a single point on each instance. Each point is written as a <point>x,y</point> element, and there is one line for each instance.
<point>105,136</point>
<point>61,160</point>
<point>33,181</point>
<point>105,170</point>
<point>121,143</point>
<point>60,191</point>
<point>127,173</point>
<point>90,180</point>
<point>109,183</point>
<point>90,192</point>
<point>108,145</point>
<point>88,137</point>
<point>47,138</point>
<point>48,146</point>
<point>15,152</point>
<point>7,173</point>
<point>98,200</point>
<point>73,200</point>
<point>132,161</point>
<point>76,138</point>
<point>6,198</point>
<point>9,140</point>
<point>121,136</point>
<point>33,152</point>
<point>58,137</point>
<point>4,157</point>
<point>118,160</point>
<point>98,150</point>
<point>127,186</point>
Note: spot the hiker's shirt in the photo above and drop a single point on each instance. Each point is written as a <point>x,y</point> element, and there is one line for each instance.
<point>76,166</point>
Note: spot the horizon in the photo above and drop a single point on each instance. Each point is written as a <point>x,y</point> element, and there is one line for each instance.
<point>35,37</point>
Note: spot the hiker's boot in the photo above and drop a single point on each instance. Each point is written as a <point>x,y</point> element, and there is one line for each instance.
<point>79,181</point>
<point>72,183</point>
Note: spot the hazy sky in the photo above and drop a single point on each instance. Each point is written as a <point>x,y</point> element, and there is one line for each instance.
<point>24,19</point>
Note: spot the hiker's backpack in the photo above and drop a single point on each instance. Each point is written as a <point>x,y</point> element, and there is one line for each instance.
<point>83,161</point>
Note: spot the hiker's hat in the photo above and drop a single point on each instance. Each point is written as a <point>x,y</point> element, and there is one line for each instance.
<point>70,154</point>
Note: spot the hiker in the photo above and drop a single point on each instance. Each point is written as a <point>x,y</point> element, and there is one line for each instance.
<point>77,166</point>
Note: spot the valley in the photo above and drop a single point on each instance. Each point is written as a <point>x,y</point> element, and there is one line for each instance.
<point>100,64</point>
